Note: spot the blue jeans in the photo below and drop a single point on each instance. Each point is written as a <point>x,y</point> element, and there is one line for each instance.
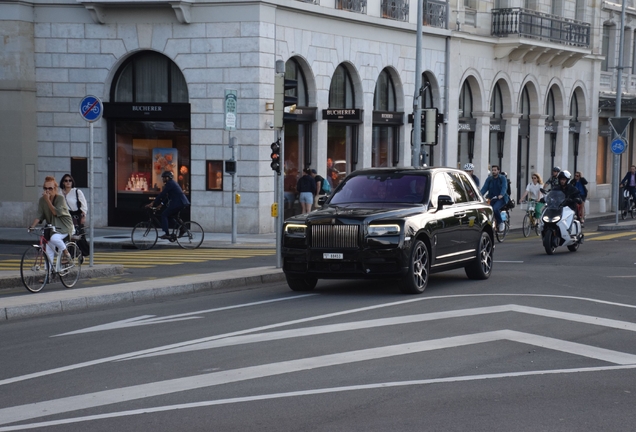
<point>496,206</point>
<point>167,213</point>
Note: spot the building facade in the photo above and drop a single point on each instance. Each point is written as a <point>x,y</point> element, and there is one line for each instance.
<point>517,86</point>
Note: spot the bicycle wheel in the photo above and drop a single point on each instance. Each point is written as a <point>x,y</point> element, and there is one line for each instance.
<point>34,269</point>
<point>527,225</point>
<point>190,235</point>
<point>501,235</point>
<point>144,235</point>
<point>70,272</point>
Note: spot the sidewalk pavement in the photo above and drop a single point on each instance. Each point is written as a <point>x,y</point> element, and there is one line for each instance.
<point>45,303</point>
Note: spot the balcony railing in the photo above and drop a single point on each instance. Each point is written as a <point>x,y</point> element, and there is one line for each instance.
<point>359,6</point>
<point>532,24</point>
<point>395,9</point>
<point>435,13</point>
<point>310,1</point>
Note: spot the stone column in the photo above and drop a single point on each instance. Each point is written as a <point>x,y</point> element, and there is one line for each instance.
<point>482,144</point>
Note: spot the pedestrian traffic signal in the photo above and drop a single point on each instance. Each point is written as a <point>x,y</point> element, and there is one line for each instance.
<point>275,164</point>
<point>285,100</point>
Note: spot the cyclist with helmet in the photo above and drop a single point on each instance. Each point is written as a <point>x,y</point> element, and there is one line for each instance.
<point>553,181</point>
<point>469,168</point>
<point>572,194</point>
<point>177,201</point>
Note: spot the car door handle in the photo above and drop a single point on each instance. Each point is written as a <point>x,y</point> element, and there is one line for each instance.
<point>460,214</point>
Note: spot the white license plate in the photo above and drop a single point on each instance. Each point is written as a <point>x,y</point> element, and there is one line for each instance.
<point>332,256</point>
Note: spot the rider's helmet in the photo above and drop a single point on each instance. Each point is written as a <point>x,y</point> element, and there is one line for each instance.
<point>565,174</point>
<point>167,174</point>
<point>469,167</point>
<point>556,169</point>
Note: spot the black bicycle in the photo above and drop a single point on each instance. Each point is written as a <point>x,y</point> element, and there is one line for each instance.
<point>189,235</point>
<point>628,205</point>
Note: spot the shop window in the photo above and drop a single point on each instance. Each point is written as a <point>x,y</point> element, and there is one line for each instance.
<point>79,171</point>
<point>214,175</point>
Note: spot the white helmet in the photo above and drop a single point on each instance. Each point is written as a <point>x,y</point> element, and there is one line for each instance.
<point>565,174</point>
<point>469,167</point>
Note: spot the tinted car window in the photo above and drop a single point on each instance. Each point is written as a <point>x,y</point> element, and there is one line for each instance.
<point>456,185</point>
<point>382,188</point>
<point>471,193</point>
<point>440,187</point>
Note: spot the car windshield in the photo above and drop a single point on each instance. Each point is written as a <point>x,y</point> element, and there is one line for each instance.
<point>382,188</point>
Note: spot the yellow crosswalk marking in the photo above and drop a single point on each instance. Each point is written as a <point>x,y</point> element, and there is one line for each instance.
<point>614,236</point>
<point>152,258</point>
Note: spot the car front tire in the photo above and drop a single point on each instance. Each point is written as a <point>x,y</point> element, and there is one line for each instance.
<point>481,267</point>
<point>298,283</point>
<point>416,278</point>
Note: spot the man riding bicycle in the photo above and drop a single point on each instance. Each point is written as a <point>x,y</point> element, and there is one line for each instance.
<point>177,201</point>
<point>496,187</point>
<point>629,182</point>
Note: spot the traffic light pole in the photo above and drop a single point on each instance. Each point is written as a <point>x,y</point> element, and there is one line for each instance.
<point>417,97</point>
<point>279,198</point>
<point>233,147</point>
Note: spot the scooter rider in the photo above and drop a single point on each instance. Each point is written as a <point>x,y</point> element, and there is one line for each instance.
<point>572,194</point>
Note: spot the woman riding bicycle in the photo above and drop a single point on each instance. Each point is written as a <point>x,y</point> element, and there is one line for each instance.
<point>533,192</point>
<point>177,201</point>
<point>52,208</point>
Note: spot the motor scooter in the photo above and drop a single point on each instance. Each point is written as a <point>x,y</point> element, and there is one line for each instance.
<point>559,226</point>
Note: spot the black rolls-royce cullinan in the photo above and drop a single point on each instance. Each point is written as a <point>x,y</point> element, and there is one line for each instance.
<point>396,223</point>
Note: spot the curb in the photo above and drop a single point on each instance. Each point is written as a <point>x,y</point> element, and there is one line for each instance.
<point>129,246</point>
<point>50,303</point>
<point>15,280</point>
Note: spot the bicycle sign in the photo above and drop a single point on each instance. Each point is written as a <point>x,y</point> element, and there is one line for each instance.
<point>91,108</point>
<point>618,146</point>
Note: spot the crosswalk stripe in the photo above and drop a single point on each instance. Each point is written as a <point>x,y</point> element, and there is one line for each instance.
<point>614,236</point>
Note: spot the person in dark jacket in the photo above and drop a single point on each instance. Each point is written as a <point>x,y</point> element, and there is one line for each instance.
<point>306,188</point>
<point>553,181</point>
<point>496,186</point>
<point>579,182</point>
<point>572,194</point>
<point>177,201</point>
<point>629,181</point>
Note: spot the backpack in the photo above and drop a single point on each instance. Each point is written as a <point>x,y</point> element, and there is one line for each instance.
<point>326,187</point>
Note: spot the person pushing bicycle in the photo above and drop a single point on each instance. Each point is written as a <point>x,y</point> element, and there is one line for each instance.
<point>629,182</point>
<point>177,201</point>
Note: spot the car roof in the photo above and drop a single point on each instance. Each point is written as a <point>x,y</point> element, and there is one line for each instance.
<point>405,170</point>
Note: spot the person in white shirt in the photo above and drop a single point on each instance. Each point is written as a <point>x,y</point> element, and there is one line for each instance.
<point>533,192</point>
<point>75,201</point>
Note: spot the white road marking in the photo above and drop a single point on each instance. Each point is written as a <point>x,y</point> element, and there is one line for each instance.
<point>287,323</point>
<point>150,319</point>
<point>297,394</point>
<point>142,391</point>
<point>384,322</point>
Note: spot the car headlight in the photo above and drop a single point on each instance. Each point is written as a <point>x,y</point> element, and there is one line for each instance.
<point>383,230</point>
<point>296,230</point>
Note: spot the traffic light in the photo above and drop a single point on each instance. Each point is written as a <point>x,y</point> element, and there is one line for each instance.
<point>285,100</point>
<point>429,126</point>
<point>275,164</point>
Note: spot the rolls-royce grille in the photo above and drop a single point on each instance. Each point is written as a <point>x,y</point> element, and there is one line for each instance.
<point>334,236</point>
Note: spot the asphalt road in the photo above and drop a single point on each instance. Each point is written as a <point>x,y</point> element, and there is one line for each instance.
<point>547,343</point>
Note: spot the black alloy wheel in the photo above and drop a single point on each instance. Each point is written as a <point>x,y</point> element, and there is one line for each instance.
<point>416,278</point>
<point>481,267</point>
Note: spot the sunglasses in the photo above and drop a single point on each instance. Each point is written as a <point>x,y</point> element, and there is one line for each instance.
<point>67,180</point>
<point>48,189</point>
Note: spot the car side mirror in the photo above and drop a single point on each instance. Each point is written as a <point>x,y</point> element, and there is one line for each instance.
<point>322,200</point>
<point>444,200</point>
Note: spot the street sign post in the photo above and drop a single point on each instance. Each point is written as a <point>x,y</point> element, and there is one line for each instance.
<point>230,109</point>
<point>91,110</point>
<point>619,125</point>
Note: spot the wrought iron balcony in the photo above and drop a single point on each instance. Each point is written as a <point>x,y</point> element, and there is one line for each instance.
<point>541,26</point>
<point>359,6</point>
<point>395,9</point>
<point>310,1</point>
<point>435,13</point>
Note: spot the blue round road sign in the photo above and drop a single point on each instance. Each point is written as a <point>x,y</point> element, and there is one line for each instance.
<point>618,146</point>
<point>91,108</point>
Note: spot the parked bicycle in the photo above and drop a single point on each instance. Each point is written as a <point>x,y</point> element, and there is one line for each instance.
<point>530,222</point>
<point>188,235</point>
<point>627,204</point>
<point>36,270</point>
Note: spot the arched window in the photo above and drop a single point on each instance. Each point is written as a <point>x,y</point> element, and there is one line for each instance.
<point>384,146</point>
<point>466,135</point>
<point>496,138</point>
<point>341,94</point>
<point>149,77</point>
<point>294,71</point>
<point>573,136</point>
<point>550,137</point>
